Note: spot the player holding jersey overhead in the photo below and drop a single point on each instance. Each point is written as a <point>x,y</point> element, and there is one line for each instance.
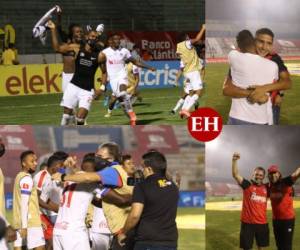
<point>115,58</point>
<point>26,214</point>
<point>254,211</point>
<point>188,55</point>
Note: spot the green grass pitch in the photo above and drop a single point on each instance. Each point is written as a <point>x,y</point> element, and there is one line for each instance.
<point>215,75</point>
<point>189,239</point>
<point>45,109</point>
<point>223,227</point>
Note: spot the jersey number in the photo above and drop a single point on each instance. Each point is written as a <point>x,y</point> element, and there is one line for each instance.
<point>68,194</point>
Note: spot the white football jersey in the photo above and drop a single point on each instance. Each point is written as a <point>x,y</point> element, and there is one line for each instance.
<point>74,204</point>
<point>115,62</point>
<point>99,224</point>
<point>42,180</point>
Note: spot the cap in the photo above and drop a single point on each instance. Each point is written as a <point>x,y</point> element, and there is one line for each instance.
<point>273,169</point>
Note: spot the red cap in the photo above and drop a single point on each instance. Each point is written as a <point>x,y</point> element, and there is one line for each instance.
<point>273,169</point>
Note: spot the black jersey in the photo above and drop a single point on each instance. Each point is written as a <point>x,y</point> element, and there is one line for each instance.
<point>86,64</point>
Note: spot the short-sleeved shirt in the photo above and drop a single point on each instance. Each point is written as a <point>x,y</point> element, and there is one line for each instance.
<point>115,62</point>
<point>254,210</point>
<point>281,196</point>
<point>157,223</point>
<point>246,70</point>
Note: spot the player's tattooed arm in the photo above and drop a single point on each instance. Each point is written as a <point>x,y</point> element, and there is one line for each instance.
<point>63,48</point>
<point>140,64</point>
<point>235,171</point>
<point>199,35</point>
<point>102,64</point>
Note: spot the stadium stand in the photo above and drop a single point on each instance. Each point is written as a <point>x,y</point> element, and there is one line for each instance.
<point>221,37</point>
<point>129,15</point>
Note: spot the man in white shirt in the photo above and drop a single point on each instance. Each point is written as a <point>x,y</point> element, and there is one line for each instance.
<point>115,59</point>
<point>248,69</point>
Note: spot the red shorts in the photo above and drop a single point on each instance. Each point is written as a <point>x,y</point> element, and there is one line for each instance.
<point>47,227</point>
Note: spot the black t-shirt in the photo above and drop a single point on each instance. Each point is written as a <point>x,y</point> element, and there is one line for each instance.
<point>277,59</point>
<point>86,64</point>
<point>157,223</point>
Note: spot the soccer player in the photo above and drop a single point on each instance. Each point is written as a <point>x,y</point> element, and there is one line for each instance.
<point>115,59</point>
<point>254,211</point>
<point>81,88</point>
<point>187,88</point>
<point>187,53</point>
<point>114,176</point>
<point>26,214</point>
<point>264,45</point>
<point>246,68</point>
<point>69,52</point>
<point>281,195</point>
<point>133,74</point>
<point>128,165</point>
<point>49,207</point>
<point>99,232</point>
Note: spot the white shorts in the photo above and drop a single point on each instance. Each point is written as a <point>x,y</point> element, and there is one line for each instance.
<point>195,79</point>
<point>115,84</point>
<point>74,95</point>
<point>35,238</point>
<point>187,87</point>
<point>3,244</point>
<point>66,79</point>
<point>100,241</point>
<point>71,241</point>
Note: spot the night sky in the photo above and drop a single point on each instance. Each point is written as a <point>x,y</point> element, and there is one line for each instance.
<point>258,146</point>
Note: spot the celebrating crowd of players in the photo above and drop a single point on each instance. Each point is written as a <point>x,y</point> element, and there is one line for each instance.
<point>279,190</point>
<point>83,53</point>
<point>97,205</point>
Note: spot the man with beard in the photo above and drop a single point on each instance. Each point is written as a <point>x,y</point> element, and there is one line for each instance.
<point>281,195</point>
<point>26,214</point>
<point>254,223</point>
<point>80,90</point>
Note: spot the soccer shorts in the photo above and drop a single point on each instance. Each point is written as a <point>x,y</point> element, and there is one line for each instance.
<point>249,232</point>
<point>194,78</point>
<point>71,240</point>
<point>35,238</point>
<point>115,84</point>
<point>3,244</point>
<point>74,95</point>
<point>187,87</point>
<point>283,231</point>
<point>66,79</point>
<point>100,241</point>
<point>48,229</point>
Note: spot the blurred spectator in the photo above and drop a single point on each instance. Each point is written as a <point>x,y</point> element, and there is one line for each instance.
<point>10,55</point>
<point>147,54</point>
<point>136,52</point>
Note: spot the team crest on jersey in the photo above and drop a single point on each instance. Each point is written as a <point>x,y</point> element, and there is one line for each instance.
<point>81,54</point>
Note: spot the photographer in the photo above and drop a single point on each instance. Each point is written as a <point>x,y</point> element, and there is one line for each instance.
<point>155,220</point>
